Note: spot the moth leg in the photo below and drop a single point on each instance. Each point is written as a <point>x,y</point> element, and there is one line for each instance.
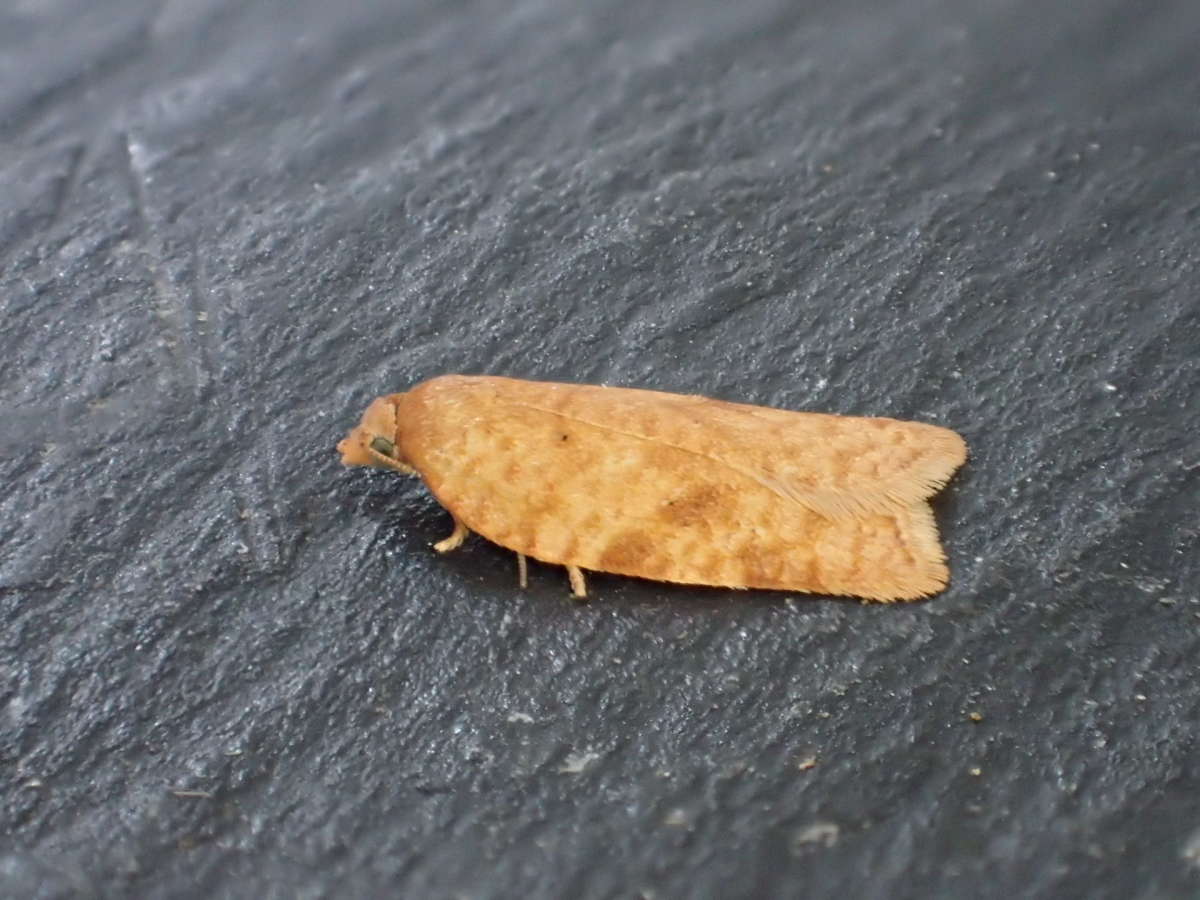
<point>456,537</point>
<point>578,585</point>
<point>522,571</point>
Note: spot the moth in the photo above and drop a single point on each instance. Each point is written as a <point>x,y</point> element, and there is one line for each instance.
<point>670,487</point>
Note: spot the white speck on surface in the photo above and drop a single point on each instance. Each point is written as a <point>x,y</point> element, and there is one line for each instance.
<point>520,717</point>
<point>577,762</point>
<point>1190,851</point>
<point>677,818</point>
<point>818,834</point>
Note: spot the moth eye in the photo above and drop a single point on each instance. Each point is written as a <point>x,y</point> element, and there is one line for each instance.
<point>383,446</point>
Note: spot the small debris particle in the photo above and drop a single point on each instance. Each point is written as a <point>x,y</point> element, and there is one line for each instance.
<point>809,762</point>
<point>976,771</point>
<point>818,834</point>
<point>1190,851</point>
<point>577,762</point>
<point>191,795</point>
<point>520,717</point>
<point>677,818</point>
<point>975,716</point>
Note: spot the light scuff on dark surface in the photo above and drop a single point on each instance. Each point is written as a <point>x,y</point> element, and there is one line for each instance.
<point>231,668</point>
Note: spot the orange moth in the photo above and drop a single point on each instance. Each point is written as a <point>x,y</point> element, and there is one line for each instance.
<point>672,487</point>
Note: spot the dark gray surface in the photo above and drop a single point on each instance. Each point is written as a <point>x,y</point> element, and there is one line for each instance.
<point>224,227</point>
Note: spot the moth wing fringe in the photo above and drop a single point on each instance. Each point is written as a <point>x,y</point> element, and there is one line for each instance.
<point>902,489</point>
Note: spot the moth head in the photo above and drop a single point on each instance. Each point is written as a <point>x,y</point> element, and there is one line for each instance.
<point>373,441</point>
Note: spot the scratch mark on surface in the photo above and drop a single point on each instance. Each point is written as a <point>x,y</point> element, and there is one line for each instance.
<point>185,351</point>
<point>68,183</point>
<point>257,519</point>
<point>202,321</point>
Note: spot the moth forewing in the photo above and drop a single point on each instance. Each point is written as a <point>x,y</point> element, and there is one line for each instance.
<point>678,488</point>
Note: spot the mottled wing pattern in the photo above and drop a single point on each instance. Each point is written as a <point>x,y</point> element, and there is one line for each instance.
<point>832,464</point>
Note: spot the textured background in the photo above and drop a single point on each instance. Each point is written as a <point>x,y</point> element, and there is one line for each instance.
<point>224,227</point>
